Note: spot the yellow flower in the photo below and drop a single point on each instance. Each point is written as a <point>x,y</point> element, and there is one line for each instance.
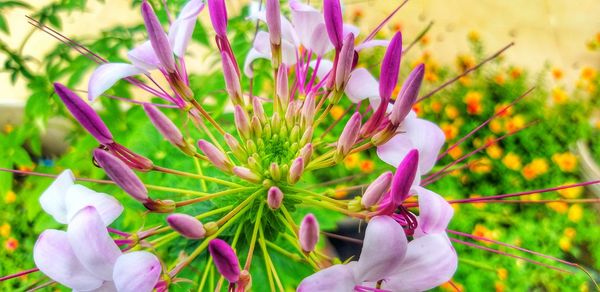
<point>450,130</point>
<point>494,151</point>
<point>557,74</point>
<point>502,273</point>
<point>495,126</point>
<point>473,36</point>
<point>465,80</point>
<point>367,166</point>
<point>499,79</point>
<point>532,197</point>
<point>11,244</point>
<point>559,96</point>
<point>499,287</point>
<point>512,161</point>
<point>516,72</point>
<point>473,101</point>
<point>340,192</point>
<point>452,112</point>
<point>571,193</point>
<point>567,161</point>
<point>483,165</point>
<point>430,76</point>
<point>8,128</point>
<point>565,243</point>
<point>558,207</point>
<point>575,213</point>
<point>534,169</point>
<point>452,288</point>
<point>588,73</point>
<point>477,205</point>
<point>351,160</point>
<point>436,106</point>
<point>5,229</point>
<point>336,112</point>
<point>515,123</point>
<point>455,152</point>
<point>570,232</point>
<point>10,197</point>
<point>465,62</point>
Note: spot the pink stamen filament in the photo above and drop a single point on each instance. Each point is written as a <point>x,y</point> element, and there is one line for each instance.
<point>19,274</point>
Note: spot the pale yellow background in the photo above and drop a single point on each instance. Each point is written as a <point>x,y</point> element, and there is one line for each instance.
<point>553,31</point>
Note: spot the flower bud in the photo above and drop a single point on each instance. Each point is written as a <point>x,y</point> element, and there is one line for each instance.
<point>276,123</point>
<point>158,38</point>
<point>390,67</point>
<point>235,147</point>
<point>168,129</point>
<point>376,189</point>
<point>258,110</point>
<point>232,79</point>
<point>275,171</point>
<point>215,156</point>
<point>294,134</point>
<point>296,170</point>
<point>211,228</point>
<point>256,127</point>
<point>308,110</point>
<point>309,233</point>
<point>186,225</point>
<point>121,174</point>
<point>246,174</point>
<point>273,14</point>
<point>218,16</point>
<point>332,11</point>
<point>84,114</point>
<point>241,122</point>
<point>404,177</point>
<point>306,153</point>
<point>283,87</point>
<point>291,113</point>
<point>408,95</point>
<point>274,198</point>
<point>225,259</point>
<point>160,206</point>
<point>345,63</point>
<point>307,136</point>
<point>348,136</point>
<point>245,281</point>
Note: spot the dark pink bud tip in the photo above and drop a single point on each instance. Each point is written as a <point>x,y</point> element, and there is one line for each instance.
<point>84,114</point>
<point>404,177</point>
<point>390,67</point>
<point>225,260</point>
<point>332,11</point>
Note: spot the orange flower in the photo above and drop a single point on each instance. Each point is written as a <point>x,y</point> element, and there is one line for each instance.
<point>567,161</point>
<point>564,243</point>
<point>425,40</point>
<point>499,79</point>
<point>5,229</point>
<point>336,112</point>
<point>507,112</point>
<point>557,74</point>
<point>436,106</point>
<point>452,112</point>
<point>455,152</point>
<point>495,126</point>
<point>515,123</point>
<point>477,205</point>
<point>502,273</point>
<point>340,192</point>
<point>588,73</point>
<point>494,151</point>
<point>570,193</point>
<point>570,232</point>
<point>351,160</point>
<point>418,108</point>
<point>516,72</point>
<point>559,207</point>
<point>534,169</point>
<point>8,128</point>
<point>499,287</point>
<point>367,166</point>
<point>11,244</point>
<point>473,101</point>
<point>559,96</point>
<point>450,130</point>
<point>482,165</point>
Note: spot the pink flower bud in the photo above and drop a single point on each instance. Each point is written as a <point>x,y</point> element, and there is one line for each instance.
<point>332,11</point>
<point>408,95</point>
<point>283,86</point>
<point>306,153</point>
<point>404,177</point>
<point>308,110</point>
<point>275,171</point>
<point>84,114</point>
<point>258,110</point>
<point>232,79</point>
<point>377,189</point>
<point>345,63</point>
<point>309,233</point>
<point>235,147</point>
<point>274,198</point>
<point>121,174</point>
<point>241,121</point>
<point>274,21</point>
<point>390,67</point>
<point>165,126</point>
<point>218,16</point>
<point>246,174</point>
<point>225,259</point>
<point>296,170</point>
<point>158,38</point>
<point>216,157</point>
<point>349,136</point>
<point>186,225</point>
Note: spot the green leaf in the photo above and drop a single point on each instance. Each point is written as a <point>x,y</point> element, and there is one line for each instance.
<point>4,25</point>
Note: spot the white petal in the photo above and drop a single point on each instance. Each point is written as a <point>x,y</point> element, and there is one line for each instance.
<point>325,67</point>
<point>288,53</point>
<point>91,243</point>
<point>107,286</point>
<point>305,20</point>
<point>319,41</point>
<point>182,28</point>
<point>288,32</point>
<point>430,261</point>
<point>53,198</point>
<point>252,56</point>
<point>107,75</point>
<point>351,29</point>
<point>428,138</point>
<point>362,85</point>
<point>383,249</point>
<point>376,101</point>
<point>332,279</point>
<point>143,56</point>
<point>54,257</point>
<point>434,212</point>
<point>136,272</point>
<point>372,44</point>
<point>79,197</point>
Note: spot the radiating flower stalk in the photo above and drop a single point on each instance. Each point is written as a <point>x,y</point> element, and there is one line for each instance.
<point>280,139</point>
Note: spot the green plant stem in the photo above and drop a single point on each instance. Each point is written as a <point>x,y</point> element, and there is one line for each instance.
<point>193,175</point>
<point>237,209</point>
<point>253,239</point>
<point>211,196</point>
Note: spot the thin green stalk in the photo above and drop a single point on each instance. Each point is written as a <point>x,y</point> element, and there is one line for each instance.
<point>193,175</point>
<point>253,240</point>
<point>199,170</point>
<point>207,269</point>
<point>211,196</point>
<point>267,260</point>
<point>239,207</point>
<point>284,252</point>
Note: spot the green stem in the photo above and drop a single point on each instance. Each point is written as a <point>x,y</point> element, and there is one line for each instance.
<point>267,260</point>
<point>253,240</point>
<point>211,196</point>
<point>237,209</point>
<point>193,175</point>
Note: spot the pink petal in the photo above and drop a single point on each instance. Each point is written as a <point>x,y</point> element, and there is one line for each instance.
<point>434,211</point>
<point>430,261</point>
<point>383,249</point>
<point>261,49</point>
<point>182,28</point>
<point>376,100</point>
<point>54,257</point>
<point>137,271</point>
<point>53,198</point>
<point>372,44</point>
<point>319,41</point>
<point>107,75</point>
<point>325,67</point>
<point>348,28</point>
<point>334,278</point>
<point>288,32</point>
<point>252,56</point>
<point>79,197</point>
<point>305,19</point>
<point>143,56</point>
<point>361,85</point>
<point>107,286</point>
<point>428,138</point>
<point>91,243</point>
